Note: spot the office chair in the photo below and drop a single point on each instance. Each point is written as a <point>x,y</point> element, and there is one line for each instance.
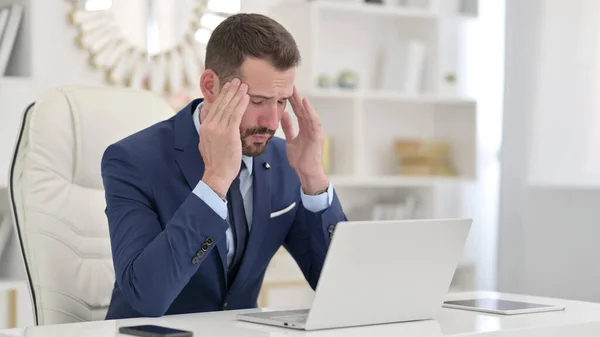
<point>57,197</point>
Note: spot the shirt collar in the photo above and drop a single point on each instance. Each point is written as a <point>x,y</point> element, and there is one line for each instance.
<point>196,117</point>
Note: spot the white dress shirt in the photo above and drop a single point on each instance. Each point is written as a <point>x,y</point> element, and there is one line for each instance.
<point>313,203</point>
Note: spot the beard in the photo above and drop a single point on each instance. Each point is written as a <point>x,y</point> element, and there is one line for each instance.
<point>251,149</point>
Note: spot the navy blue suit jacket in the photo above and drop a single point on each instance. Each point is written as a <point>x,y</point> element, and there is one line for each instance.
<point>169,247</point>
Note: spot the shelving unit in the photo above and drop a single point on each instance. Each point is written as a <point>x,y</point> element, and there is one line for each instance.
<point>363,122</point>
<point>17,87</point>
<point>20,64</point>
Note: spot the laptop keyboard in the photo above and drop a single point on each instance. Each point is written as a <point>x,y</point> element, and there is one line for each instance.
<point>293,318</point>
<point>296,316</point>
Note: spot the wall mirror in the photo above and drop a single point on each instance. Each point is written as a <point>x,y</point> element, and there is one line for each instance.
<point>157,45</point>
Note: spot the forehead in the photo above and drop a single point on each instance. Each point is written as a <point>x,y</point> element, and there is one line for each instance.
<point>264,79</point>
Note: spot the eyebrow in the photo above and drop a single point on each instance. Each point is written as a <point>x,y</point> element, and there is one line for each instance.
<point>265,97</point>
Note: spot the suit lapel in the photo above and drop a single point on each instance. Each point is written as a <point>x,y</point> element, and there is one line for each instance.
<point>190,162</point>
<point>261,192</point>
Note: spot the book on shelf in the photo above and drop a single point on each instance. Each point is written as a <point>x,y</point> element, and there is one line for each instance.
<point>10,20</point>
<point>425,157</point>
<point>402,65</point>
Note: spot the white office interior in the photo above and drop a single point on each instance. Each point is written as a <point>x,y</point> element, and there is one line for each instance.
<point>501,96</point>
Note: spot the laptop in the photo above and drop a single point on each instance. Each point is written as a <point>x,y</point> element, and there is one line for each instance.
<point>379,272</point>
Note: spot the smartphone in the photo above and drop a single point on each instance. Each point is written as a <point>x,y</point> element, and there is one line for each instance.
<point>153,331</point>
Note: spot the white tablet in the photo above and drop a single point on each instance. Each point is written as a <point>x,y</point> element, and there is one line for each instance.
<point>503,307</point>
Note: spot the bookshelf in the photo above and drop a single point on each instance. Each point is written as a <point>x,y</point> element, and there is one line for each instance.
<point>364,122</point>
<point>18,52</point>
<point>406,69</point>
<point>16,83</point>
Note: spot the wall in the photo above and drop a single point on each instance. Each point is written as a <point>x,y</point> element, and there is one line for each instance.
<point>482,62</point>
<point>549,196</point>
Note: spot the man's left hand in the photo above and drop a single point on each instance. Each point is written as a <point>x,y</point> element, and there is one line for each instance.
<point>305,149</point>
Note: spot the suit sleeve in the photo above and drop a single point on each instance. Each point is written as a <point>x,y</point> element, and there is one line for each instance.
<point>153,265</point>
<point>310,235</point>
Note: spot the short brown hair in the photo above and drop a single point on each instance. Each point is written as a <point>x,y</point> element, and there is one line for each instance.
<point>249,34</point>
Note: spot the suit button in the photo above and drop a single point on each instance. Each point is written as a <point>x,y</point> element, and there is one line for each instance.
<point>330,228</point>
<point>225,306</point>
<point>209,240</point>
<point>200,253</point>
<point>195,260</point>
<point>204,246</point>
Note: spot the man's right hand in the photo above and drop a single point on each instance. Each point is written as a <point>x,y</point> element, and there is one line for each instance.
<point>220,140</point>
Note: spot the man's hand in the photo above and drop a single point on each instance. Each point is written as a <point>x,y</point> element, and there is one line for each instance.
<point>305,150</point>
<point>220,143</point>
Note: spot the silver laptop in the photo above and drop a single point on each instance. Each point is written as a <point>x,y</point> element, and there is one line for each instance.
<point>380,272</point>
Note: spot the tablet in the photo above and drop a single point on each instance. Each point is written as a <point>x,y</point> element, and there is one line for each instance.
<point>498,306</point>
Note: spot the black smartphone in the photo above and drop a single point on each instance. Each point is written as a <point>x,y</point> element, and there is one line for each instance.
<point>153,331</point>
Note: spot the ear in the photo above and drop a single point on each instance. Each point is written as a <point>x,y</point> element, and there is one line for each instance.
<point>209,85</point>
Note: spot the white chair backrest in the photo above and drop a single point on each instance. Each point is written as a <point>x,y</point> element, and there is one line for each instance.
<point>57,194</point>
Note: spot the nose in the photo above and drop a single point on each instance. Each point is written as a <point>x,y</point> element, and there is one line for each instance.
<point>270,117</point>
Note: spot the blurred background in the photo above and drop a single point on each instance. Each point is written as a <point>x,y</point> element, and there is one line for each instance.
<point>488,109</point>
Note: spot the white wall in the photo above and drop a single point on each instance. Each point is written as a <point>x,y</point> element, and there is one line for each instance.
<point>549,202</point>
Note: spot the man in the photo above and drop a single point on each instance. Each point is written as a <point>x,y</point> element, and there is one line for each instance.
<point>198,204</point>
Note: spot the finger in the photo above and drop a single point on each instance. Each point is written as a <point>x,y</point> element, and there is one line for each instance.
<point>296,102</point>
<point>288,126</point>
<point>229,114</point>
<point>239,111</point>
<point>210,115</point>
<point>228,95</point>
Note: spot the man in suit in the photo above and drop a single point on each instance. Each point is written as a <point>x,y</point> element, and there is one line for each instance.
<point>198,204</point>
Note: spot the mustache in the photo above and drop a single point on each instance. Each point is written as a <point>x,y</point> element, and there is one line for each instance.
<point>258,131</point>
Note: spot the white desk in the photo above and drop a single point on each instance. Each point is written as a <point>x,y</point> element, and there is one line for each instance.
<point>578,320</point>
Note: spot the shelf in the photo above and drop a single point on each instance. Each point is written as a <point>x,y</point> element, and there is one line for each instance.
<point>374,9</point>
<point>396,181</point>
<point>390,97</point>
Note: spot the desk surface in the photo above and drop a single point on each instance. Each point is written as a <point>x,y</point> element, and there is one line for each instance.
<point>579,319</point>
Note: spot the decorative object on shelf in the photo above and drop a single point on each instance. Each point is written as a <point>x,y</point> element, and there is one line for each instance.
<point>324,81</point>
<point>10,20</point>
<point>450,78</point>
<point>157,45</point>
<point>348,79</point>
<point>425,157</point>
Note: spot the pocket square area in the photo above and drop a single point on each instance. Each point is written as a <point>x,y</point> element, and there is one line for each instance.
<point>283,211</point>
